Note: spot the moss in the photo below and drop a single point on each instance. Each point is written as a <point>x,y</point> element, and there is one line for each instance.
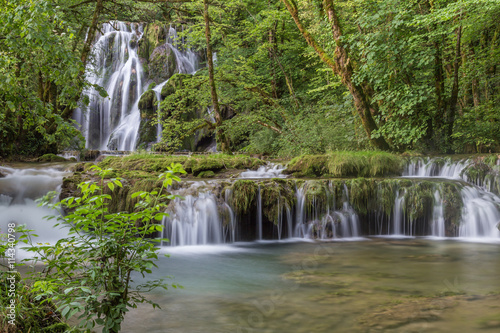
<point>51,158</point>
<point>206,174</point>
<point>362,194</point>
<point>147,103</point>
<point>57,328</point>
<point>346,164</point>
<point>386,195</point>
<point>244,193</point>
<point>452,205</point>
<point>316,195</point>
<point>308,166</point>
<point>364,164</point>
<point>277,195</point>
<point>477,171</point>
<point>418,199</point>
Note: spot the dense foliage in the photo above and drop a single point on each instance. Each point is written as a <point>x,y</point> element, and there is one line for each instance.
<point>289,76</point>
<point>91,272</point>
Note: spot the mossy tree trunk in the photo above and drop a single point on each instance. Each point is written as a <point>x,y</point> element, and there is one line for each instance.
<point>220,133</point>
<point>342,66</point>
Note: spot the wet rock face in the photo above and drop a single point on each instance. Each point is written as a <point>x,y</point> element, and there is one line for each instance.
<point>162,64</point>
<point>148,109</point>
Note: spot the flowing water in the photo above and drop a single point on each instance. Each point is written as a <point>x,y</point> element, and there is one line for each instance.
<point>19,189</point>
<point>377,285</point>
<point>112,123</point>
<point>298,284</point>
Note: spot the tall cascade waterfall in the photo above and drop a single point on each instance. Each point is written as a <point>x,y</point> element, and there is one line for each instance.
<point>112,123</point>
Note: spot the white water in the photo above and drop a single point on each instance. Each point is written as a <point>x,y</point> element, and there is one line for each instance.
<point>480,213</point>
<point>438,168</point>
<point>327,224</point>
<point>266,171</point>
<point>18,191</point>
<point>113,122</point>
<point>194,221</point>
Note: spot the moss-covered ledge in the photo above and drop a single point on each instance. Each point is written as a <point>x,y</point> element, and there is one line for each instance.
<point>197,166</point>
<point>347,164</point>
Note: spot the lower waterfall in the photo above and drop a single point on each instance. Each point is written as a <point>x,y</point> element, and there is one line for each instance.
<point>418,208</point>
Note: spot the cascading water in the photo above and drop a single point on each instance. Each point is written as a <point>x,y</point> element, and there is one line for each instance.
<point>18,191</point>
<point>186,61</point>
<point>112,122</point>
<point>266,171</point>
<point>194,221</point>
<point>327,222</point>
<point>480,214</point>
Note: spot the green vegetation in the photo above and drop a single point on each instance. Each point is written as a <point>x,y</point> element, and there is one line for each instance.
<point>244,195</point>
<point>91,272</point>
<point>290,77</point>
<point>346,164</point>
<point>32,314</point>
<point>142,165</point>
<point>51,158</point>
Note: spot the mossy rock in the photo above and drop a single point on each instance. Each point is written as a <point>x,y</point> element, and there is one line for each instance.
<point>418,200</point>
<point>277,196</point>
<point>363,194</point>
<point>51,158</point>
<point>147,104</point>
<point>308,166</point>
<point>244,193</point>
<point>206,174</point>
<point>154,35</point>
<point>347,164</point>
<point>177,81</point>
<point>162,63</point>
<point>364,164</point>
<point>316,194</point>
<point>452,206</point>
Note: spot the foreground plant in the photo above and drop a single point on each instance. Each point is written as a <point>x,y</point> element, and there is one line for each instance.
<point>90,272</point>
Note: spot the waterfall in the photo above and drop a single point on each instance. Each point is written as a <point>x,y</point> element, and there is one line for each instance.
<point>267,171</point>
<point>480,214</point>
<point>194,221</point>
<point>187,63</point>
<point>259,215</point>
<point>438,224</point>
<point>18,191</point>
<point>157,91</point>
<point>435,167</point>
<point>112,122</point>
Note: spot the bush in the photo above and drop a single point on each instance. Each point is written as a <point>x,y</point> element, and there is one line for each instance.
<point>90,271</point>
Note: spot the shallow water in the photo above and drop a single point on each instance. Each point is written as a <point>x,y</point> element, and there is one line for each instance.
<point>374,285</point>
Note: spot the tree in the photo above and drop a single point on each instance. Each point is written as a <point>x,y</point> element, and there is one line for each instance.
<point>90,271</point>
<point>341,65</point>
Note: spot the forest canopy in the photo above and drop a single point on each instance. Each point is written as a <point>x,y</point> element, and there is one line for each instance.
<point>280,77</point>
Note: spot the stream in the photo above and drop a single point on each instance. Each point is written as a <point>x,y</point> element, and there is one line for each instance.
<point>392,282</point>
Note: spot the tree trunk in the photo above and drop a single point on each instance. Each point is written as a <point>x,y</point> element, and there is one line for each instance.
<point>220,134</point>
<point>342,67</point>
<point>452,108</point>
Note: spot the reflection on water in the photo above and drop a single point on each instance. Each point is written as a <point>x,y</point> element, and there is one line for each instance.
<point>377,285</point>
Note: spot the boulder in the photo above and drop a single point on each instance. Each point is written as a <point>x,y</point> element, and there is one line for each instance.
<point>162,63</point>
